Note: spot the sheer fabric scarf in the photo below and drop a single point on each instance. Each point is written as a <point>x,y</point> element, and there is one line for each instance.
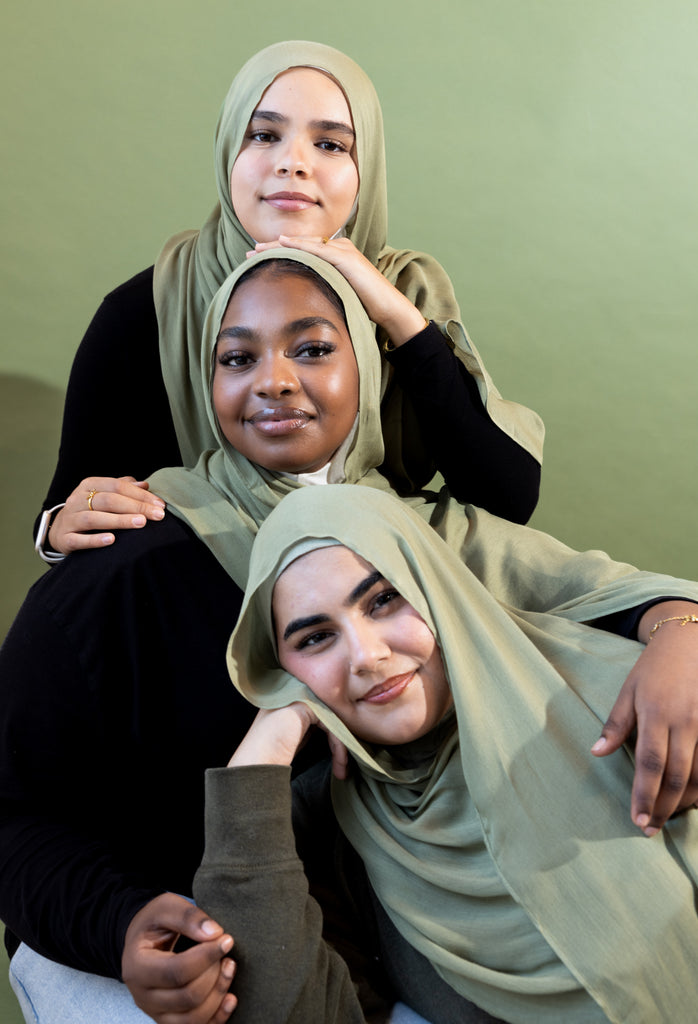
<point>532,685</point>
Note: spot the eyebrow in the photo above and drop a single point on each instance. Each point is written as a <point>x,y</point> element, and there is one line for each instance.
<point>294,327</point>
<point>317,620</point>
<point>273,117</point>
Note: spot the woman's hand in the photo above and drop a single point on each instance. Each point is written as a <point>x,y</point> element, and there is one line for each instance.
<point>190,987</point>
<point>660,699</point>
<point>276,736</point>
<point>385,305</point>
<point>102,503</point>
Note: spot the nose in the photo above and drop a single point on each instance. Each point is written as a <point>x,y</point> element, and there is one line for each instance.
<point>276,377</point>
<point>367,648</point>
<point>293,159</point>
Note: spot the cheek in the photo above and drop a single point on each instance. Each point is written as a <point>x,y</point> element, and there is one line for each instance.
<point>242,177</point>
<point>225,398</point>
<point>414,635</point>
<point>341,390</point>
<point>348,185</point>
<point>316,673</point>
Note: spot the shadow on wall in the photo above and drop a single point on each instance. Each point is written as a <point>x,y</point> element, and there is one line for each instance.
<point>30,421</point>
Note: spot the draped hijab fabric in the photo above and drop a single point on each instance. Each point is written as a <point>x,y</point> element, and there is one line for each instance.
<point>532,685</point>
<point>194,264</point>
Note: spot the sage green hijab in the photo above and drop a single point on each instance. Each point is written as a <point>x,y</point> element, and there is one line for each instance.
<point>498,845</point>
<point>194,264</point>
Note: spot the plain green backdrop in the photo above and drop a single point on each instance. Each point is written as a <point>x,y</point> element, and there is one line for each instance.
<point>544,151</point>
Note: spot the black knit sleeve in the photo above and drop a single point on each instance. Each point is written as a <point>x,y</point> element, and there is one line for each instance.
<point>479,462</point>
<point>116,420</point>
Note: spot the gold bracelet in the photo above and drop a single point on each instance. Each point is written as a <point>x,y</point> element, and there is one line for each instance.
<point>683,619</point>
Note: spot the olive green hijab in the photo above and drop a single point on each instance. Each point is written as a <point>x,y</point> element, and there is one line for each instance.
<point>512,796</point>
<point>194,264</point>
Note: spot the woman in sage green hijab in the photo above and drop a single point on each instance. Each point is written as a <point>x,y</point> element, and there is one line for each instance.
<point>313,167</point>
<point>501,850</point>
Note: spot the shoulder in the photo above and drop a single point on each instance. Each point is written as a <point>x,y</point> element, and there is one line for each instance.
<point>133,297</point>
<point>139,285</point>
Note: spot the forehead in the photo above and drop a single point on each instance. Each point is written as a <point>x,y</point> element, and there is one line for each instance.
<point>319,580</point>
<point>271,296</point>
<point>316,91</point>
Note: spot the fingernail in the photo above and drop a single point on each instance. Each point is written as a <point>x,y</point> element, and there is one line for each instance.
<point>228,969</point>
<point>158,513</point>
<point>642,821</point>
<point>107,538</point>
<point>138,521</point>
<point>599,745</point>
<point>649,832</point>
<point>226,944</point>
<point>209,927</point>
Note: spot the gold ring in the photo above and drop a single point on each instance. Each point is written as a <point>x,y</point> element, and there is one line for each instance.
<point>90,496</point>
<point>325,240</point>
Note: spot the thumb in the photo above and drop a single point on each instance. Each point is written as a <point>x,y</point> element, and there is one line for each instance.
<point>176,914</point>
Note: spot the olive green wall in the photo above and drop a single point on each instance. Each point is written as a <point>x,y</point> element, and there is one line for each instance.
<point>545,151</point>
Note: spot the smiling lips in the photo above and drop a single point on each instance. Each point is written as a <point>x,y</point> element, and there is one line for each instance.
<point>277,422</point>
<point>388,690</point>
<point>290,201</point>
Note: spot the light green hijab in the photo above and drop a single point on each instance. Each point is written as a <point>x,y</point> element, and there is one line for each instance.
<point>194,264</point>
<point>513,796</point>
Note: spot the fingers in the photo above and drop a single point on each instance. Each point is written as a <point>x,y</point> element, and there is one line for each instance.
<point>108,494</point>
<point>99,506</point>
<point>127,485</point>
<point>619,725</point>
<point>340,757</point>
<point>205,999</point>
<point>189,987</point>
<point>666,779</point>
<point>174,913</point>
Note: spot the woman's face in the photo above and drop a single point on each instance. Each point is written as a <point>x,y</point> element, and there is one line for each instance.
<point>285,383</point>
<point>344,631</point>
<point>295,173</point>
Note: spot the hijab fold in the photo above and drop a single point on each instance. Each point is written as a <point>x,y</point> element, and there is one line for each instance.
<point>532,684</point>
<point>194,264</point>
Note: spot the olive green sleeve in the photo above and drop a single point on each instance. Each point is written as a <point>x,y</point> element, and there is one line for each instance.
<point>252,882</point>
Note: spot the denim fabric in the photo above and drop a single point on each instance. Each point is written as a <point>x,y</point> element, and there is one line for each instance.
<point>50,993</point>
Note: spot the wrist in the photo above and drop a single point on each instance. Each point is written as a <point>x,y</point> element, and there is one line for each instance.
<point>42,543</point>
<point>667,619</point>
<point>404,325</point>
<point>273,738</point>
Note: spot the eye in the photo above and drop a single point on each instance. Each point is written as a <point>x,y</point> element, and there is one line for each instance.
<point>383,600</point>
<point>314,639</point>
<point>235,360</point>
<point>315,349</point>
<point>259,135</point>
<point>332,146</point>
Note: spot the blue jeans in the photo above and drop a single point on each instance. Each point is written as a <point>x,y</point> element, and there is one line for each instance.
<point>49,993</point>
